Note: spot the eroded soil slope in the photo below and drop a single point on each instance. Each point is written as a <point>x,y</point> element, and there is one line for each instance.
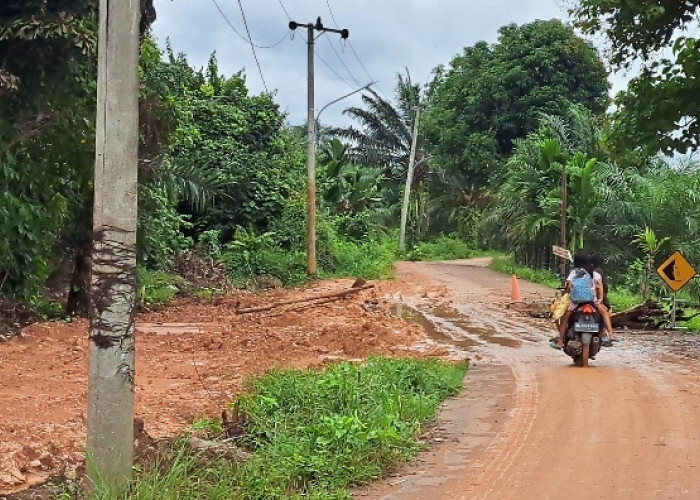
<point>191,360</point>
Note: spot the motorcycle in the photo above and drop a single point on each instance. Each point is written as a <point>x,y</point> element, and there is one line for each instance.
<point>583,335</point>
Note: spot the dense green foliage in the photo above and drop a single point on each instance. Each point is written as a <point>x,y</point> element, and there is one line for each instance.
<point>314,434</point>
<point>442,248</point>
<point>46,103</point>
<point>222,174</point>
<point>659,109</point>
<point>492,95</point>
<point>611,210</point>
<point>506,265</point>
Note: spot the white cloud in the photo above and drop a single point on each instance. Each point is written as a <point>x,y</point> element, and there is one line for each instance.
<point>387,35</point>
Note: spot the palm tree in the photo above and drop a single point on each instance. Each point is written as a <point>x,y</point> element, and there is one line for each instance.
<point>385,133</point>
<point>528,202</point>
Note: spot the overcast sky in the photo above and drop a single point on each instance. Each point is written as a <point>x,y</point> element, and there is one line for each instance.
<point>386,36</point>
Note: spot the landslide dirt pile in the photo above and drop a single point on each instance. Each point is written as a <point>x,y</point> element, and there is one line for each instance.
<point>192,358</point>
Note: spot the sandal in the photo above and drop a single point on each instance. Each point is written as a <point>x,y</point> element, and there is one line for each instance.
<point>553,345</point>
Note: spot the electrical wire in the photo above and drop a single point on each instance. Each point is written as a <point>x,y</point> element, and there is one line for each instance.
<point>246,40</point>
<point>334,71</point>
<point>316,54</point>
<point>285,10</point>
<point>320,58</point>
<point>341,60</point>
<point>335,23</point>
<point>252,46</point>
<point>349,42</point>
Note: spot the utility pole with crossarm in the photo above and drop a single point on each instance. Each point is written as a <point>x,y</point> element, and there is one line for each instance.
<point>311,146</point>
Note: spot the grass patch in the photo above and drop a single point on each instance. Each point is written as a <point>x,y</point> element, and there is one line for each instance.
<point>507,266</point>
<point>337,257</point>
<point>442,248</point>
<point>621,299</point>
<point>370,259</point>
<point>693,325</point>
<point>315,434</point>
<point>156,287</point>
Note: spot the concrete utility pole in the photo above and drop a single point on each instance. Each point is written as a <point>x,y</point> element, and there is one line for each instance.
<point>562,222</point>
<point>409,181</point>
<point>110,416</point>
<point>311,146</point>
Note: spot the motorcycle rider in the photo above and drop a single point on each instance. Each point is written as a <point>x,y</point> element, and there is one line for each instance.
<point>597,262</point>
<point>582,269</point>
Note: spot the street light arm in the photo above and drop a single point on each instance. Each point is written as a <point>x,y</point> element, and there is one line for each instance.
<point>343,97</point>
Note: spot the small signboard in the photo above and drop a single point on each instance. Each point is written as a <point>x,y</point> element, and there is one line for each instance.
<point>676,271</point>
<point>562,252</point>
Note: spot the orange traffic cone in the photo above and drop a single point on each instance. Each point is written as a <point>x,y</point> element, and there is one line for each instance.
<point>515,289</point>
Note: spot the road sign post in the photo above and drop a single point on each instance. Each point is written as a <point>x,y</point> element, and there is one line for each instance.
<point>562,252</point>
<point>676,272</point>
<point>565,255</point>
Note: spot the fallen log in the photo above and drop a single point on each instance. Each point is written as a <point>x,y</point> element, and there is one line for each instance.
<point>326,296</point>
<point>646,315</point>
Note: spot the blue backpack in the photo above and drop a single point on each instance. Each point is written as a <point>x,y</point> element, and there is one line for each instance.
<point>582,287</point>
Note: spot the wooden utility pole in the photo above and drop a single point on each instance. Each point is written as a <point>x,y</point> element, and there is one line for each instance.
<point>311,146</point>
<point>110,416</point>
<point>409,181</point>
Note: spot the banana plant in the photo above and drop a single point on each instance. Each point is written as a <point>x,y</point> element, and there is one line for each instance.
<point>650,244</point>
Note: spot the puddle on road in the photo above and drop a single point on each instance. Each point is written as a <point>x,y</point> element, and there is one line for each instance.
<point>434,332</point>
<point>449,326</point>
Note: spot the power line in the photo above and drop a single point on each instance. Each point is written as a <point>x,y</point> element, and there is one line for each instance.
<point>246,40</point>
<point>285,10</point>
<point>349,42</point>
<point>252,46</point>
<point>334,71</point>
<point>331,11</point>
<point>318,56</point>
<point>341,61</point>
<point>360,61</point>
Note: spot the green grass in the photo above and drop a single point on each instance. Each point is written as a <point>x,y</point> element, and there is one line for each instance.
<point>338,257</point>
<point>156,287</point>
<point>621,299</point>
<point>442,248</point>
<point>371,259</point>
<point>692,325</point>
<point>507,266</point>
<point>315,434</point>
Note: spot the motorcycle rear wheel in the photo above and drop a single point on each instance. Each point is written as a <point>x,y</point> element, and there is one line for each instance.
<point>584,355</point>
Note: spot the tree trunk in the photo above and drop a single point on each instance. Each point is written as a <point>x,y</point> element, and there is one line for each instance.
<point>77,303</point>
<point>110,429</point>
<point>643,316</point>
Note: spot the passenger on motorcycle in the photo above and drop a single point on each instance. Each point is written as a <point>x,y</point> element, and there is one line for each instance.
<point>597,262</point>
<point>583,285</point>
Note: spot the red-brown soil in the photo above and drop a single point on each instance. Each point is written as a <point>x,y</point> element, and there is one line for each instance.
<point>191,360</point>
<point>528,424</point>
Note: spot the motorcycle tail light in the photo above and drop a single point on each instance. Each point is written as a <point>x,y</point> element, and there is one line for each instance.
<point>587,309</point>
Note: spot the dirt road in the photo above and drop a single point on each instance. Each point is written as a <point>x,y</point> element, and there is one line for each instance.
<point>527,425</point>
<point>531,425</point>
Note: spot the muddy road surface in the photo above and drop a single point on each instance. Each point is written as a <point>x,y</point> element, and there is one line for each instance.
<point>529,424</point>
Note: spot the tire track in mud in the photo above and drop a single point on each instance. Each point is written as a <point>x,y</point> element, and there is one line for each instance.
<point>530,425</point>
<point>479,328</point>
<point>501,455</point>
